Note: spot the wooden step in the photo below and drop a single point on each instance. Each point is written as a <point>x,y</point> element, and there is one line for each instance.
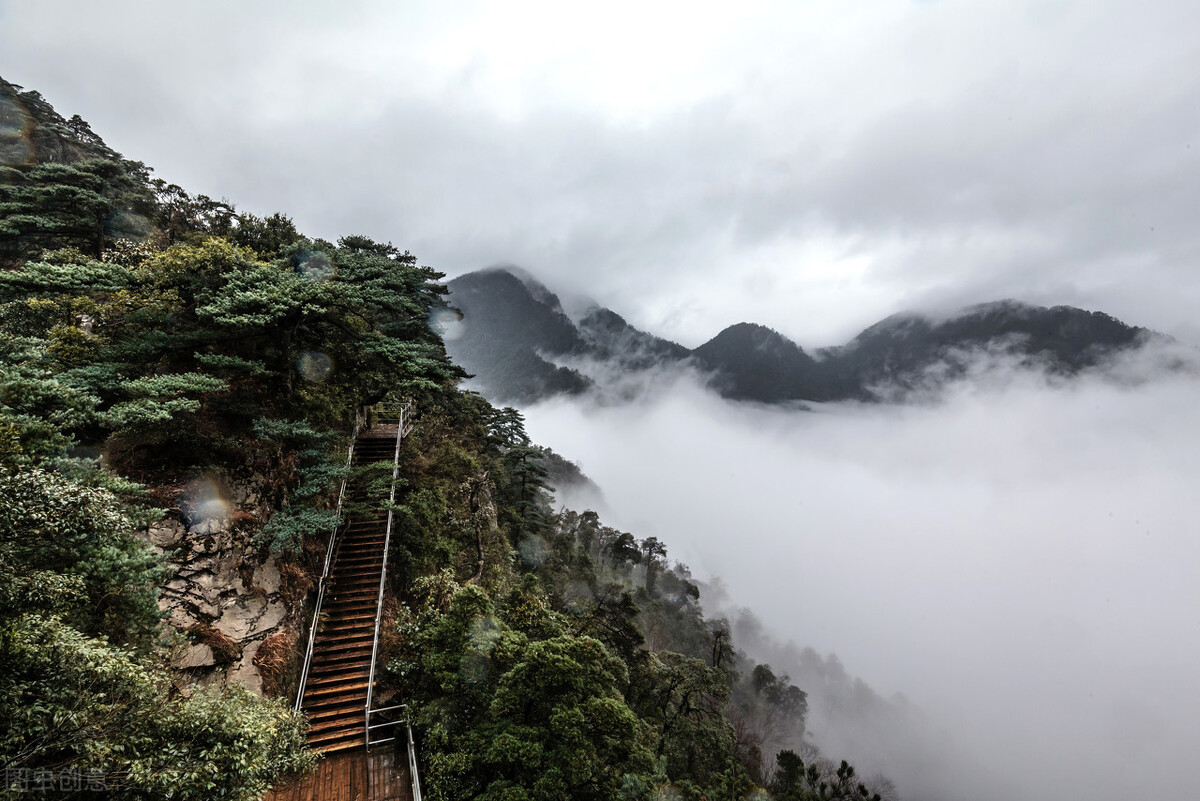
<point>345,639</point>
<point>351,574</point>
<point>321,716</point>
<point>353,543</point>
<point>341,740</point>
<point>366,569</point>
<point>359,653</point>
<point>350,619</point>
<point>334,668</point>
<point>349,689</point>
<point>343,661</point>
<point>343,652</point>
<point>338,661</point>
<point>357,550</point>
<point>346,720</point>
<point>365,562</point>
<point>333,703</point>
<point>333,663</point>
<point>344,604</point>
<point>357,584</point>
<point>360,559</point>
<point>354,611</point>
<point>338,749</point>
<point>360,544</point>
<point>356,574</point>
<point>350,606</point>
<point>340,677</point>
<point>367,591</point>
<point>342,665</point>
<point>357,589</point>
<point>349,628</point>
<point>374,532</point>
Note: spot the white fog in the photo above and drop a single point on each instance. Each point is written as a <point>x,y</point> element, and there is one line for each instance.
<point>1016,559</point>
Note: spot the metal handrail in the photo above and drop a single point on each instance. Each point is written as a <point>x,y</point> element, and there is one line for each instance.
<point>387,538</point>
<point>413,773</point>
<point>359,420</point>
<point>412,760</point>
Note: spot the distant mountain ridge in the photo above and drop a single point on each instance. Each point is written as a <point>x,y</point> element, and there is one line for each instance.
<point>518,342</point>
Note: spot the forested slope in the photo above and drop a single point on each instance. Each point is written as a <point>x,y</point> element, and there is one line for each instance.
<point>151,340</point>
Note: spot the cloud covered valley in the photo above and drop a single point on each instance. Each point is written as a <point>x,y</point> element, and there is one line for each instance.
<point>1016,558</point>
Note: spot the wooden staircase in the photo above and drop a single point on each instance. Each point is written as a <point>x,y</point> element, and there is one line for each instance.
<point>335,694</point>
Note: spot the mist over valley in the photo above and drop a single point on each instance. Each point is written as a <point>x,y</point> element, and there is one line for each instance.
<point>1016,560</point>
<point>996,553</point>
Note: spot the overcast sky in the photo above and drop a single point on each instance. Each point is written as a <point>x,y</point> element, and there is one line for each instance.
<point>809,165</point>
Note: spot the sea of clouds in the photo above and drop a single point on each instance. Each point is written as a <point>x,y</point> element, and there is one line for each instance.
<point>1016,555</point>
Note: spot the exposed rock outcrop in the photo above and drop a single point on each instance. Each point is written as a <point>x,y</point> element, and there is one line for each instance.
<point>226,596</point>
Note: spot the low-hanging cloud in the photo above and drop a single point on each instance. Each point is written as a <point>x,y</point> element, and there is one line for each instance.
<point>1017,558</point>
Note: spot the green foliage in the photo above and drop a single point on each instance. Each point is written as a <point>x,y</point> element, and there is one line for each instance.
<point>58,534</point>
<point>479,660</point>
<point>85,204</point>
<point>520,475</point>
<point>272,236</point>
<point>182,349</point>
<point>78,682</point>
<point>80,702</point>
<point>795,781</point>
<point>684,699</point>
<point>514,717</point>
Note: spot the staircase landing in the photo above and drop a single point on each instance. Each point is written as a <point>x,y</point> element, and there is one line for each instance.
<point>356,776</point>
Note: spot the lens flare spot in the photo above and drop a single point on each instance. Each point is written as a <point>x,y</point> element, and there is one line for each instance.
<point>202,507</point>
<point>475,668</point>
<point>15,147</point>
<point>447,323</point>
<point>127,225</point>
<point>315,266</point>
<point>533,551</point>
<point>314,366</point>
<point>484,633</point>
<point>578,597</point>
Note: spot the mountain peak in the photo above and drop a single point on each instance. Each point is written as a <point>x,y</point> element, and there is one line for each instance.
<point>512,327</point>
<point>517,330</point>
<point>757,336</point>
<point>538,291</point>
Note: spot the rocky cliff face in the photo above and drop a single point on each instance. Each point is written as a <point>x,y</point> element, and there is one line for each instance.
<point>239,610</point>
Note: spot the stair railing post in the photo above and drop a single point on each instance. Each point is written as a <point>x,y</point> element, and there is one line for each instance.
<point>329,549</point>
<point>412,756</point>
<point>387,538</point>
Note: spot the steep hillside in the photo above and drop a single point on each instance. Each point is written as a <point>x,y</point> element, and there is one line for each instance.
<point>176,405</point>
<point>508,331</point>
<point>608,337</point>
